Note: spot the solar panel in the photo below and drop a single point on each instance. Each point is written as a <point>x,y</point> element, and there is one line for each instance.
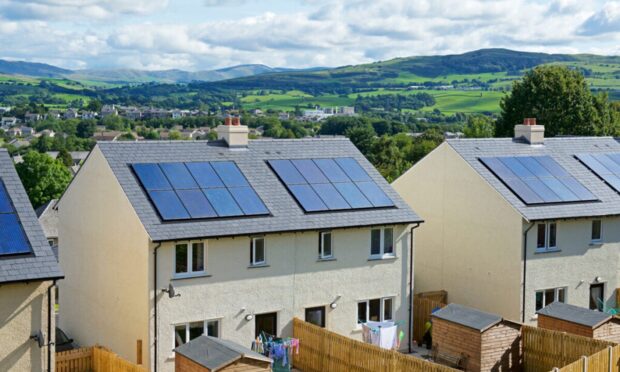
<point>537,179</point>
<point>606,166</point>
<point>330,184</point>
<point>197,190</point>
<point>13,239</point>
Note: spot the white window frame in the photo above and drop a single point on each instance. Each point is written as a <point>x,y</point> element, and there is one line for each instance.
<point>190,258</point>
<point>600,238</point>
<point>204,329</point>
<point>382,253</point>
<point>322,255</point>
<point>547,247</point>
<point>556,292</point>
<point>253,261</point>
<point>381,308</point>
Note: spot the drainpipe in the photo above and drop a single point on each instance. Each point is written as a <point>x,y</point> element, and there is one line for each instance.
<point>411,286</point>
<point>524,270</point>
<point>50,311</point>
<point>155,306</point>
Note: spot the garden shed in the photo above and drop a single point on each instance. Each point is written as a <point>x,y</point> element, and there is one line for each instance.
<point>580,321</point>
<point>474,340</point>
<point>210,354</point>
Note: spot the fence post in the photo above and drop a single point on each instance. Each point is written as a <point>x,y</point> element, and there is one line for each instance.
<point>139,352</point>
<point>610,355</point>
<point>585,363</point>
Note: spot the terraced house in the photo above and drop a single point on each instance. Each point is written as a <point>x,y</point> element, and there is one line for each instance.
<point>515,224</point>
<point>165,241</point>
<point>28,273</point>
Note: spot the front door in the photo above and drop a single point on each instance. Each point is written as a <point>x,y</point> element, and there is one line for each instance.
<point>597,296</point>
<point>267,323</point>
<point>316,316</point>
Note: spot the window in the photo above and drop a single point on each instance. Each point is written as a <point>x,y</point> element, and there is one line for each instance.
<point>382,242</point>
<point>546,237</point>
<point>375,310</point>
<point>597,296</point>
<point>546,296</point>
<point>186,332</point>
<point>325,244</point>
<point>189,258</point>
<point>316,316</point>
<point>597,232</point>
<point>257,251</point>
<point>51,242</point>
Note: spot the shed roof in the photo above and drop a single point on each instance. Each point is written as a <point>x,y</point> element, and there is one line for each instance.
<point>468,317</point>
<point>215,353</point>
<point>562,150</point>
<point>575,314</point>
<point>286,215</point>
<point>41,264</point>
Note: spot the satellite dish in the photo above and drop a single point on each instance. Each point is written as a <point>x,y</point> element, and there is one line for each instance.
<point>38,337</point>
<point>171,291</point>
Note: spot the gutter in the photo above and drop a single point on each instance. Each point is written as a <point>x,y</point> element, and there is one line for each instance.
<point>155,306</point>
<point>524,269</point>
<point>411,286</point>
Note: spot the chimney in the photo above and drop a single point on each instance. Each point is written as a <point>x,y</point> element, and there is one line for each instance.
<point>233,133</point>
<point>530,132</point>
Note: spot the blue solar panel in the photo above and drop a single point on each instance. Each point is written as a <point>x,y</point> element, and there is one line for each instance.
<point>13,238</point>
<point>538,179</point>
<point>606,166</point>
<point>197,190</point>
<point>330,184</point>
<point>229,174</point>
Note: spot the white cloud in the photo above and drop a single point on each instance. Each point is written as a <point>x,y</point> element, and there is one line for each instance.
<point>605,21</point>
<point>77,9</point>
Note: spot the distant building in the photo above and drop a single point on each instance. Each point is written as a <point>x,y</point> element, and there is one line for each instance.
<point>14,132</point>
<point>86,115</point>
<point>284,116</point>
<point>71,114</point>
<point>53,114</point>
<point>48,133</point>
<point>5,109</point>
<point>132,113</point>
<point>27,131</point>
<point>108,110</point>
<point>8,122</point>
<point>32,117</point>
<point>48,218</point>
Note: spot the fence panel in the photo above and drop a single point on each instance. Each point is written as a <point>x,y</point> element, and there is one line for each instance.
<point>94,359</point>
<point>323,350</point>
<point>544,349</point>
<point>423,306</point>
<point>606,360</point>
<point>77,360</point>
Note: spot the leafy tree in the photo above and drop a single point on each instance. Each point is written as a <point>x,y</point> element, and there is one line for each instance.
<point>175,136</point>
<point>65,157</point>
<point>94,105</point>
<point>362,138</point>
<point>86,128</point>
<point>560,99</point>
<point>43,177</point>
<point>388,158</point>
<point>479,126</point>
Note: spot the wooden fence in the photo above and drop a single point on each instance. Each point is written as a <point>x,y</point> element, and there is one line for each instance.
<point>323,350</point>
<point>93,359</point>
<point>544,349</point>
<point>423,306</point>
<point>606,360</point>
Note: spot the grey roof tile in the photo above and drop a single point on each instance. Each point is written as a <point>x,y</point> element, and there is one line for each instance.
<point>562,150</point>
<point>215,354</point>
<point>468,317</point>
<point>574,314</point>
<point>41,264</point>
<point>286,215</point>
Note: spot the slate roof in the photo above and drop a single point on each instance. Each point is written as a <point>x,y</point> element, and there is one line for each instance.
<point>214,353</point>
<point>562,150</point>
<point>48,218</point>
<point>468,317</point>
<point>574,314</point>
<point>41,264</point>
<point>286,215</point>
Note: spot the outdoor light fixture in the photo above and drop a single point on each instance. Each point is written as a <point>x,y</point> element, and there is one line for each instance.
<point>249,317</point>
<point>38,337</point>
<point>334,304</point>
<point>171,291</point>
<point>598,279</point>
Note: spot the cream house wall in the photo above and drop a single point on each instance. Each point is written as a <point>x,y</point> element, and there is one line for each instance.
<point>293,280</point>
<point>104,298</point>
<point>23,312</point>
<point>470,243</point>
<point>577,263</point>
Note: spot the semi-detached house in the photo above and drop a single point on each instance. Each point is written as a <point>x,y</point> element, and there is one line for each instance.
<point>165,241</point>
<point>515,224</point>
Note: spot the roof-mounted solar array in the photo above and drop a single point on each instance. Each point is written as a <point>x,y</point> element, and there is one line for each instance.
<point>606,166</point>
<point>538,179</point>
<point>187,191</point>
<point>330,184</point>
<point>12,236</point>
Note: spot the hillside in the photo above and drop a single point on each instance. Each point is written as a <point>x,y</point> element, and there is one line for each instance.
<point>31,69</point>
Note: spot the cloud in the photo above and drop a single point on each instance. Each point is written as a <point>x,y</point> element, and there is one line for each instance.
<point>605,21</point>
<point>76,9</point>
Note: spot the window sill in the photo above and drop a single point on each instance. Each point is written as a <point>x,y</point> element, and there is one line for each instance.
<point>326,259</point>
<point>596,243</point>
<point>550,250</point>
<point>191,276</point>
<point>382,258</point>
<point>257,266</point>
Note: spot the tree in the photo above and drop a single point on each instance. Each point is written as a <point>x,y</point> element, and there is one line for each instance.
<point>362,138</point>
<point>94,105</point>
<point>479,126</point>
<point>65,158</point>
<point>559,98</point>
<point>43,177</point>
<point>86,128</point>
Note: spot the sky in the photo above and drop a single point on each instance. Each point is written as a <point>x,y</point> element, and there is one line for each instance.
<point>208,34</point>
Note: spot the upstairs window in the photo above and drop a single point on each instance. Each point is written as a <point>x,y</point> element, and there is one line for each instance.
<point>382,242</point>
<point>325,245</point>
<point>546,237</point>
<point>189,258</point>
<point>597,231</point>
<point>257,251</point>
